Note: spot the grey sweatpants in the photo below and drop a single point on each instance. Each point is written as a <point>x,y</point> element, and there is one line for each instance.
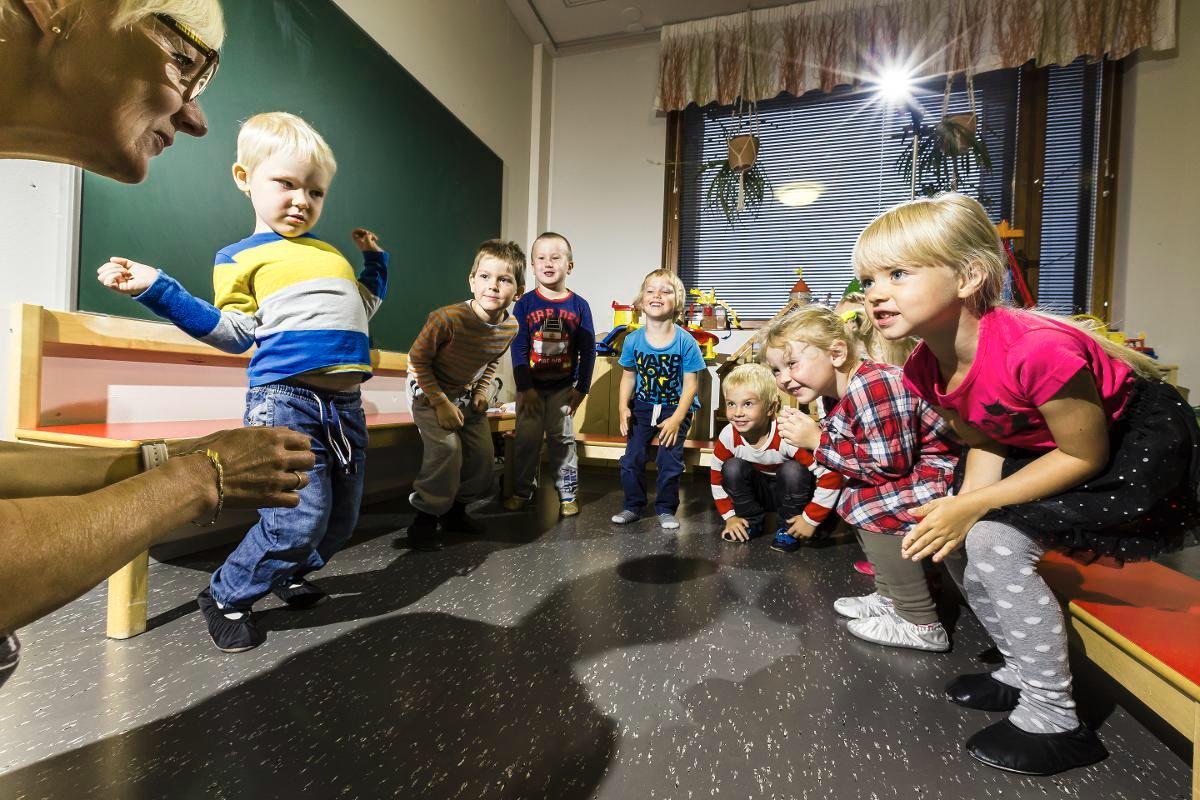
<point>1019,612</point>
<point>556,425</point>
<point>455,465</point>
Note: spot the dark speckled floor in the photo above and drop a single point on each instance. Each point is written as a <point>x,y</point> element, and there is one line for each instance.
<point>550,659</point>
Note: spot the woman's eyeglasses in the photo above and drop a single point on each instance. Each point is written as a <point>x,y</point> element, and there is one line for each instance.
<point>193,63</point>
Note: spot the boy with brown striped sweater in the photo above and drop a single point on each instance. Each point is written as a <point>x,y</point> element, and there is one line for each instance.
<point>450,366</point>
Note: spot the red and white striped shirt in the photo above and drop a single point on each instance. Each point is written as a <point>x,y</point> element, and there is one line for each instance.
<point>766,459</point>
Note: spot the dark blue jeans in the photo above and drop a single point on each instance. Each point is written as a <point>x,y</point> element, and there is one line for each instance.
<point>643,426</point>
<point>291,542</point>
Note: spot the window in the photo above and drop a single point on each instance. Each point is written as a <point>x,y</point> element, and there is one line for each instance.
<point>847,146</point>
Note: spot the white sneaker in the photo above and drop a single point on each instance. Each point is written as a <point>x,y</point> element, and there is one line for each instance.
<point>624,518</point>
<point>668,521</point>
<point>892,631</point>
<point>870,605</point>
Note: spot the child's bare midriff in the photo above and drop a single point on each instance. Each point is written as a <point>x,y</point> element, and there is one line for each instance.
<point>337,382</point>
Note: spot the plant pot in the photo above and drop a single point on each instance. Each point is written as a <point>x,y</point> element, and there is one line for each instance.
<point>743,152</point>
<point>958,133</point>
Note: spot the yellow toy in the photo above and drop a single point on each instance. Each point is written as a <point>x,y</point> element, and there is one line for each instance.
<point>708,303</point>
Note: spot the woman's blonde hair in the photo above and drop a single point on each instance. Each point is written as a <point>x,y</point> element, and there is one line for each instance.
<point>204,17</point>
<point>953,230</point>
<point>814,325</point>
<point>273,132</point>
<point>676,285</point>
<point>758,380</point>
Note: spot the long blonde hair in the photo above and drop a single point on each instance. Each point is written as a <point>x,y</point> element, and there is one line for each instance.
<point>952,230</point>
<point>814,325</point>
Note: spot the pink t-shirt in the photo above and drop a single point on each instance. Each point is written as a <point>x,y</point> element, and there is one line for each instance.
<point>1023,360</point>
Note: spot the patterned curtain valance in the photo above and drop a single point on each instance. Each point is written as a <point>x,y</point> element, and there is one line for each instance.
<point>826,43</point>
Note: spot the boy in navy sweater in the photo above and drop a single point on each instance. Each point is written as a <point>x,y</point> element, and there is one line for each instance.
<point>552,356</point>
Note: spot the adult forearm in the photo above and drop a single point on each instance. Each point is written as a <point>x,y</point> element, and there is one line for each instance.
<point>56,548</point>
<point>28,470</point>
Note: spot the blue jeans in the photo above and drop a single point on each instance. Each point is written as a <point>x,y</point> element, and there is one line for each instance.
<point>643,426</point>
<point>287,543</point>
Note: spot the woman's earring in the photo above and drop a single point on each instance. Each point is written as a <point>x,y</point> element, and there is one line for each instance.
<point>55,30</point>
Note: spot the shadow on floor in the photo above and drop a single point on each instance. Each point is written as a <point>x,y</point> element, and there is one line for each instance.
<point>414,705</point>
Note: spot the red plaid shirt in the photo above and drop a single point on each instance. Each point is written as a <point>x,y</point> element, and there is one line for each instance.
<point>895,451</point>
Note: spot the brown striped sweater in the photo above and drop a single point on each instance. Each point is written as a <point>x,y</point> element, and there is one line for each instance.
<point>455,355</point>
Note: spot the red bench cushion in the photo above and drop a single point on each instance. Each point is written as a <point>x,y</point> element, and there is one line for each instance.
<point>1154,607</point>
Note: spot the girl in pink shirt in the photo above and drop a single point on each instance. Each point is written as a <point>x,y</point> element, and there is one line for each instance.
<point>1076,444</point>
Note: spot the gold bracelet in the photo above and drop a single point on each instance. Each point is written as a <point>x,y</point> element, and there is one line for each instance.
<point>215,458</point>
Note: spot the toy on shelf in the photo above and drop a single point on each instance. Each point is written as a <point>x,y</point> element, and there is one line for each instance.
<point>1100,327</point>
<point>706,316</point>
<point>626,320</point>
<point>801,295</point>
<point>1020,287</point>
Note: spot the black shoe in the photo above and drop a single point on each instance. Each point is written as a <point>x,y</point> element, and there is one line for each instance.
<point>422,534</point>
<point>235,635</point>
<point>983,692</point>
<point>457,520</point>
<point>299,593</point>
<point>1007,747</point>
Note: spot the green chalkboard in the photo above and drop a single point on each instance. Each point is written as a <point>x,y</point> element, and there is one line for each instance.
<point>407,169</point>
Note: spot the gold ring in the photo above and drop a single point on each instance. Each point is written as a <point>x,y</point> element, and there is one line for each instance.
<point>299,479</point>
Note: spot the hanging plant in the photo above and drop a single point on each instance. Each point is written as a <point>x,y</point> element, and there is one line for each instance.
<point>739,183</point>
<point>947,151</point>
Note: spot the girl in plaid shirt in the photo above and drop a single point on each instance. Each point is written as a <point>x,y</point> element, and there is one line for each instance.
<point>1076,444</point>
<point>895,452</point>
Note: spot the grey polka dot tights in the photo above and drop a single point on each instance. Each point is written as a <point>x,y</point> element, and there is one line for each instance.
<point>1019,612</point>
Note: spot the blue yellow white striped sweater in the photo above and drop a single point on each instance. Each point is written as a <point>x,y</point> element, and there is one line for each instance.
<point>296,299</point>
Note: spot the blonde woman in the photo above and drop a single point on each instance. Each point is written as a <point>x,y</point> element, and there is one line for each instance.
<point>107,85</point>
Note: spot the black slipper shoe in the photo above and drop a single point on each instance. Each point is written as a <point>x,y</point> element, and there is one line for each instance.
<point>300,594</point>
<point>1007,747</point>
<point>983,692</point>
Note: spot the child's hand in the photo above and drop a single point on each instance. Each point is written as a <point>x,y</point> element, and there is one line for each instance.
<point>530,402</point>
<point>366,241</point>
<point>575,399</point>
<point>626,413</point>
<point>737,529</point>
<point>125,276</point>
<point>943,526</point>
<point>668,431</point>
<point>479,404</point>
<point>449,415</point>
<point>801,528</point>
<point>800,430</point>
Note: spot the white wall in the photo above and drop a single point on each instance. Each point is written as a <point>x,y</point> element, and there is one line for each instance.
<point>1157,265</point>
<point>606,171</point>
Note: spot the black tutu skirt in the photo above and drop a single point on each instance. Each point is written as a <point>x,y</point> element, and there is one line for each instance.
<point>1145,501</point>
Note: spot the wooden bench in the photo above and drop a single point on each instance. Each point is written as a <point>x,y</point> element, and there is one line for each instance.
<point>696,452</point>
<point>39,334</point>
<point>1141,625</point>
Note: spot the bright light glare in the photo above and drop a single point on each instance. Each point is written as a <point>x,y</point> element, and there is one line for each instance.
<point>894,85</point>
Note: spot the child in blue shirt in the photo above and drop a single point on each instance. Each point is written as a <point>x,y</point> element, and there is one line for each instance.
<point>552,355</point>
<point>658,396</point>
<point>297,300</point>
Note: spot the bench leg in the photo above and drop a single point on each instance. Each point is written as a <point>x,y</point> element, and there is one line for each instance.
<point>127,598</point>
<point>1196,752</point>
